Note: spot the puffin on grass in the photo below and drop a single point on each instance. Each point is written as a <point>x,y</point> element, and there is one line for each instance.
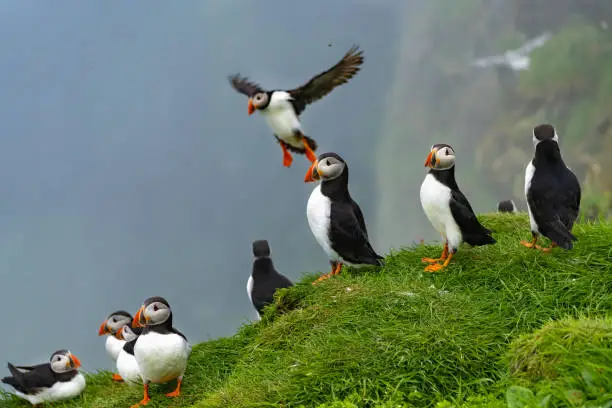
<point>265,280</point>
<point>506,206</point>
<point>447,209</point>
<point>109,327</point>
<point>552,192</point>
<point>57,380</point>
<point>127,366</point>
<point>282,108</point>
<point>336,221</point>
<point>161,351</point>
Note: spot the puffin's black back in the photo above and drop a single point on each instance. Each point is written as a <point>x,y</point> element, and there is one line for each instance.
<point>348,232</point>
<point>553,195</point>
<point>35,378</point>
<point>474,233</point>
<point>266,279</point>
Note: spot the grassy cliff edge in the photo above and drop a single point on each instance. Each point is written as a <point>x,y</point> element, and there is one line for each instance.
<point>502,326</point>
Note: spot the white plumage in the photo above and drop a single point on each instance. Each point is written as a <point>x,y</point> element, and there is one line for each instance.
<point>529,171</point>
<point>161,357</point>
<point>128,368</point>
<point>435,199</point>
<point>113,346</point>
<point>250,284</point>
<point>281,117</point>
<point>318,212</point>
<point>59,391</point>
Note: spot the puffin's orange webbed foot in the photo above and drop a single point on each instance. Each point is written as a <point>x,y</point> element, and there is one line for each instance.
<point>309,153</point>
<point>177,391</point>
<point>117,378</point>
<point>145,399</point>
<point>441,258</point>
<point>531,244</point>
<point>287,158</point>
<point>547,249</point>
<point>322,278</point>
<point>437,267</point>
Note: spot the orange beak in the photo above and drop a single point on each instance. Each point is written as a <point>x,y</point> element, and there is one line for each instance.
<point>119,334</point>
<point>76,363</point>
<point>251,106</point>
<point>137,322</point>
<point>103,329</point>
<point>431,159</point>
<point>312,174</point>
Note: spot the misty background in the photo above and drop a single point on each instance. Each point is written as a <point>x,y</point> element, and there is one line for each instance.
<point>129,167</point>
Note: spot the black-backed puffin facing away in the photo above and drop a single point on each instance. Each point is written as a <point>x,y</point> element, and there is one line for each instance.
<point>552,192</point>
<point>161,351</point>
<point>127,366</point>
<point>282,109</point>
<point>446,207</point>
<point>336,221</point>
<point>264,279</point>
<point>506,206</point>
<point>57,380</point>
<point>109,327</point>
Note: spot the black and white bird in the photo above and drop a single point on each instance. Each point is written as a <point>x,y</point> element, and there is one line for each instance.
<point>57,380</point>
<point>161,351</point>
<point>506,206</point>
<point>282,109</point>
<point>552,192</point>
<point>264,279</point>
<point>518,59</point>
<point>109,327</point>
<point>127,366</point>
<point>336,221</point>
<point>447,209</point>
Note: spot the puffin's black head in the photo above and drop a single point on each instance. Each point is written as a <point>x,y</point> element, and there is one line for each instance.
<point>259,101</point>
<point>261,248</point>
<point>543,133</point>
<point>441,157</point>
<point>63,361</point>
<point>327,167</point>
<point>155,310</point>
<point>114,322</point>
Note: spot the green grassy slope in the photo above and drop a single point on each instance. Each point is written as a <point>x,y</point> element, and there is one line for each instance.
<point>502,326</point>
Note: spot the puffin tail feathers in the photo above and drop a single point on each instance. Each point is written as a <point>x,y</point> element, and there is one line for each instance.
<point>311,142</point>
<point>559,234</point>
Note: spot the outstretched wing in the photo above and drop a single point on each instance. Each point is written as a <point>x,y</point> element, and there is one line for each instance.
<point>534,43</point>
<point>323,83</point>
<point>244,86</point>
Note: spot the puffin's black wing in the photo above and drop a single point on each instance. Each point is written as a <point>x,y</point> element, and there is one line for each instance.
<point>359,216</point>
<point>264,295</point>
<point>348,239</point>
<point>32,381</point>
<point>244,86</point>
<point>474,233</point>
<point>323,83</point>
<point>554,205</point>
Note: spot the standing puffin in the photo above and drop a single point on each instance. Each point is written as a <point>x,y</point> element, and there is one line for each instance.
<point>336,221</point>
<point>161,351</point>
<point>109,327</point>
<point>264,279</point>
<point>447,209</point>
<point>282,109</point>
<point>506,206</point>
<point>127,366</point>
<point>57,380</point>
<point>552,192</point>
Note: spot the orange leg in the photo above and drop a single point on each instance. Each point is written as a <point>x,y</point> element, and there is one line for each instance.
<point>287,159</point>
<point>117,378</point>
<point>437,267</point>
<point>531,244</point>
<point>145,399</point>
<point>309,153</point>
<point>336,268</point>
<point>177,391</point>
<point>441,258</point>
<point>548,249</point>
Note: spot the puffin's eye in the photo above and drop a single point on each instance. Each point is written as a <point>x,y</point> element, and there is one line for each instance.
<point>155,308</point>
<point>447,151</point>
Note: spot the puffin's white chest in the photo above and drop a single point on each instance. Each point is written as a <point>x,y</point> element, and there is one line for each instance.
<point>318,211</point>
<point>161,357</point>
<point>113,346</point>
<point>435,199</point>
<point>529,172</point>
<point>250,284</point>
<point>127,367</point>
<point>58,392</point>
<point>282,119</point>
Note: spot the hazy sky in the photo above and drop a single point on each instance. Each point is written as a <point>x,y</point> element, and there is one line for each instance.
<point>129,167</point>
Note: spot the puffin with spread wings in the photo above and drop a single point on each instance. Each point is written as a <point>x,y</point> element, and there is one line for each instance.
<point>282,109</point>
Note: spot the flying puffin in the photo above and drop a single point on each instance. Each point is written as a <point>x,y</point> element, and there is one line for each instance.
<point>336,221</point>
<point>161,351</point>
<point>446,207</point>
<point>127,367</point>
<point>57,380</point>
<point>506,206</point>
<point>282,109</point>
<point>552,192</point>
<point>264,279</point>
<point>109,327</point>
